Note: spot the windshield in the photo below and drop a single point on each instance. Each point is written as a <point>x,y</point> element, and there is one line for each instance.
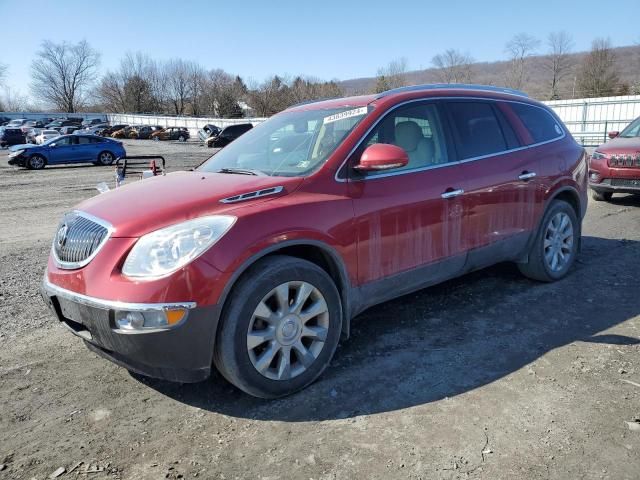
<point>289,144</point>
<point>632,130</point>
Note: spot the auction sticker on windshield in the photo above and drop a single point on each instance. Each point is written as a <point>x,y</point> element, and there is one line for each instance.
<point>348,114</point>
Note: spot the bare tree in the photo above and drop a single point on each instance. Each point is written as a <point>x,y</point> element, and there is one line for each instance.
<point>519,49</point>
<point>558,61</point>
<point>393,75</point>
<point>178,84</point>
<point>130,88</point>
<point>270,97</point>
<point>198,84</point>
<point>62,73</point>
<point>597,75</point>
<point>13,102</point>
<point>3,73</point>
<point>453,66</point>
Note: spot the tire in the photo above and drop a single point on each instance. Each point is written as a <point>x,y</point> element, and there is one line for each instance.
<point>601,196</point>
<point>36,162</point>
<point>105,159</point>
<point>540,264</point>
<point>242,356</point>
<point>156,138</point>
<point>181,138</point>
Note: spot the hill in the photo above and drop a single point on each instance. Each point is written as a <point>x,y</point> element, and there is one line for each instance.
<point>627,61</point>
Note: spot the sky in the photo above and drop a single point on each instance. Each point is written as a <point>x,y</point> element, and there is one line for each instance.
<point>327,39</point>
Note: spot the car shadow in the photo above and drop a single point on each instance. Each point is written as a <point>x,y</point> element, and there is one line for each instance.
<point>629,200</point>
<point>449,339</point>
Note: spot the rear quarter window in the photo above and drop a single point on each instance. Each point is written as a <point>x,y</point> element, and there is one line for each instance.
<point>542,126</point>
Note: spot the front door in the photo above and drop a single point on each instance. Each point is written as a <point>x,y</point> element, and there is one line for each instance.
<point>412,217</point>
<point>65,150</point>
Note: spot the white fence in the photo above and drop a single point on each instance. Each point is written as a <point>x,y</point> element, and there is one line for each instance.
<point>588,119</point>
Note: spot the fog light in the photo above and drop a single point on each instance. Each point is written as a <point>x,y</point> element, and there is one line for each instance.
<point>149,320</point>
<point>594,176</point>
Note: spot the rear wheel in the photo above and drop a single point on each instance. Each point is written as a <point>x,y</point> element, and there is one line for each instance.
<point>555,247</point>
<point>181,138</point>
<point>601,196</point>
<point>105,158</point>
<point>36,162</point>
<point>280,327</point>
<point>156,138</point>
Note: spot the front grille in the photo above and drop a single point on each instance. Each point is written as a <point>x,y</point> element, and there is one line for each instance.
<point>625,182</point>
<point>78,239</point>
<point>625,160</point>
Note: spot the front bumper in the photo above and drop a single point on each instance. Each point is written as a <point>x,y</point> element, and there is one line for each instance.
<point>617,185</point>
<point>19,160</point>
<point>182,353</point>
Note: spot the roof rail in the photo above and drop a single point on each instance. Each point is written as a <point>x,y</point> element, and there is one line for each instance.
<point>453,86</point>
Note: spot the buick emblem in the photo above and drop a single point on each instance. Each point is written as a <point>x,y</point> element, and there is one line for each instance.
<point>61,236</point>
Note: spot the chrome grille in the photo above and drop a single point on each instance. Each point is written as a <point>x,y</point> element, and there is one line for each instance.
<point>78,239</point>
<point>625,182</point>
<point>625,160</point>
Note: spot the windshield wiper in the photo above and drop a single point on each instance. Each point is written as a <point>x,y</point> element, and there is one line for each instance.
<point>241,171</point>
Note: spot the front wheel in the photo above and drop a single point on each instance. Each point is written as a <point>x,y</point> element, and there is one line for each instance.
<point>36,162</point>
<point>601,196</point>
<point>280,327</point>
<point>105,159</point>
<point>555,246</point>
<point>181,138</point>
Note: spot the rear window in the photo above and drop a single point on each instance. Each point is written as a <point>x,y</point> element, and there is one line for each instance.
<point>540,124</point>
<point>478,129</point>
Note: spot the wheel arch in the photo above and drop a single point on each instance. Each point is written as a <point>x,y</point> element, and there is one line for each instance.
<point>570,195</point>
<point>314,251</point>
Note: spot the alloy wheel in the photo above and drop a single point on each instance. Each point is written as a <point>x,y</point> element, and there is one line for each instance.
<point>288,330</point>
<point>106,158</point>
<point>558,242</point>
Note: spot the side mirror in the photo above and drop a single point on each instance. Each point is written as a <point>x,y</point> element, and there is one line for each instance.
<point>382,156</point>
<point>613,134</point>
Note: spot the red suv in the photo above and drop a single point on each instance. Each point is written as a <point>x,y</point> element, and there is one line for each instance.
<point>615,165</point>
<point>257,261</point>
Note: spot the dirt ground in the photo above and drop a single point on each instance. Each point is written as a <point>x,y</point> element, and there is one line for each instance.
<point>487,376</point>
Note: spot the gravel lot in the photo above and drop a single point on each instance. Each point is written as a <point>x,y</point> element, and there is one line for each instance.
<point>487,376</point>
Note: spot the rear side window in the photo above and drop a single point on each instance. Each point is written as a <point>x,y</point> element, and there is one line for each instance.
<point>540,124</point>
<point>478,130</point>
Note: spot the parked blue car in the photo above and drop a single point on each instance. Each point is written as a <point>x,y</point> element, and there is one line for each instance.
<point>67,149</point>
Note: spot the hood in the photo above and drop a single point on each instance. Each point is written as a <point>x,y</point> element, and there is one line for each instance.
<point>24,146</point>
<point>621,145</point>
<point>147,205</point>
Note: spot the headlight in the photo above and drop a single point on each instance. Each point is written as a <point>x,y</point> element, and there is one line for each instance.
<point>598,155</point>
<point>17,153</point>
<point>165,251</point>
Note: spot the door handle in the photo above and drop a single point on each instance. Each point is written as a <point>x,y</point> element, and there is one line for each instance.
<point>452,193</point>
<point>526,176</point>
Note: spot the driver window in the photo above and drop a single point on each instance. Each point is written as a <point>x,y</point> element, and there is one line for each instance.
<point>417,129</point>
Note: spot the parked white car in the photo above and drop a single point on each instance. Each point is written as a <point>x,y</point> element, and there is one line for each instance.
<point>46,135</point>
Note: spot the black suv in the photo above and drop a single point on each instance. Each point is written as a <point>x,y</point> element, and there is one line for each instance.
<point>228,135</point>
<point>11,136</point>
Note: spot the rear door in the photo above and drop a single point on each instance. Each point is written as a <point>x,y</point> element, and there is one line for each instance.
<point>411,217</point>
<point>87,150</point>
<point>502,197</point>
